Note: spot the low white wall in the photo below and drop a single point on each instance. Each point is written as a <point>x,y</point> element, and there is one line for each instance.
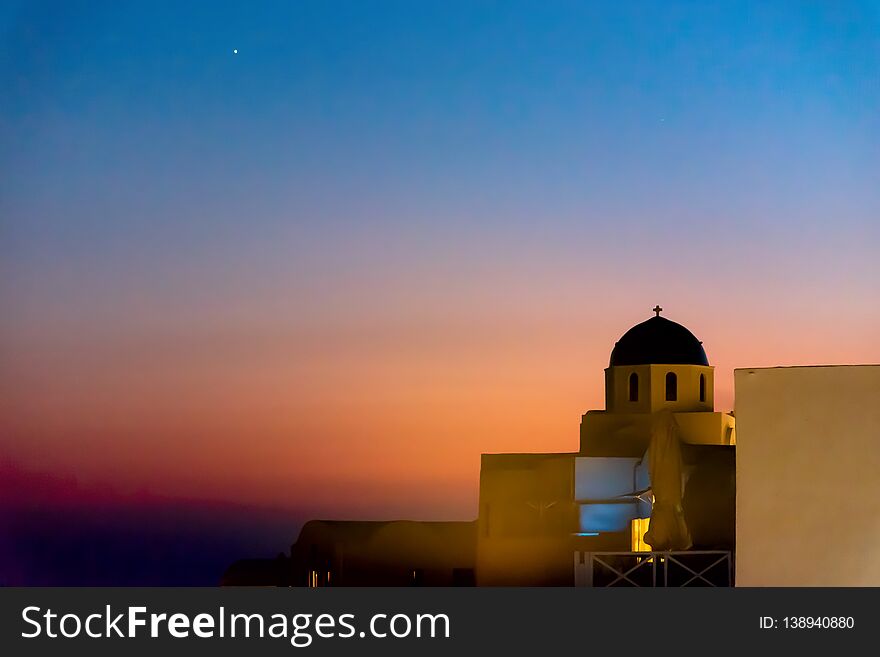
<point>808,476</point>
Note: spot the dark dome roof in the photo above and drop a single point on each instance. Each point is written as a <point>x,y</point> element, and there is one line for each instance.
<point>658,340</point>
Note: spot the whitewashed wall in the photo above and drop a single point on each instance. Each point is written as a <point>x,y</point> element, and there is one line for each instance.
<point>808,476</point>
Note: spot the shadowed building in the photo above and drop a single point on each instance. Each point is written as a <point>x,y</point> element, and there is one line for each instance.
<point>259,572</point>
<point>396,553</point>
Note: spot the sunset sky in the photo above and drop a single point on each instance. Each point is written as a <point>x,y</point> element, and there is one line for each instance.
<point>327,272</point>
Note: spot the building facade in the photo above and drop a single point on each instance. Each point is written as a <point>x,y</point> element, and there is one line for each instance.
<point>657,464</point>
<point>808,508</point>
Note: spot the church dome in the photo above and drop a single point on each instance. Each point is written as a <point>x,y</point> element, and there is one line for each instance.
<point>658,340</point>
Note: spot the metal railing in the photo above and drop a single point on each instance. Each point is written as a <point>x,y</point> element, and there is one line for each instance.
<point>654,569</point>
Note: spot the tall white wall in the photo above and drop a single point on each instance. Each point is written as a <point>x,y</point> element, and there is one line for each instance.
<point>808,476</point>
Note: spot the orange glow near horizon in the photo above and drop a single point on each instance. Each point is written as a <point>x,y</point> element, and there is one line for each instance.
<point>362,417</point>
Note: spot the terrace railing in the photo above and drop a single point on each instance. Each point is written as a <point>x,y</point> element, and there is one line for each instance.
<point>654,569</point>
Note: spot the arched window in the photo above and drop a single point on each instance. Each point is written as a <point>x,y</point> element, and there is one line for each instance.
<point>702,387</point>
<point>671,386</point>
<point>634,387</point>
